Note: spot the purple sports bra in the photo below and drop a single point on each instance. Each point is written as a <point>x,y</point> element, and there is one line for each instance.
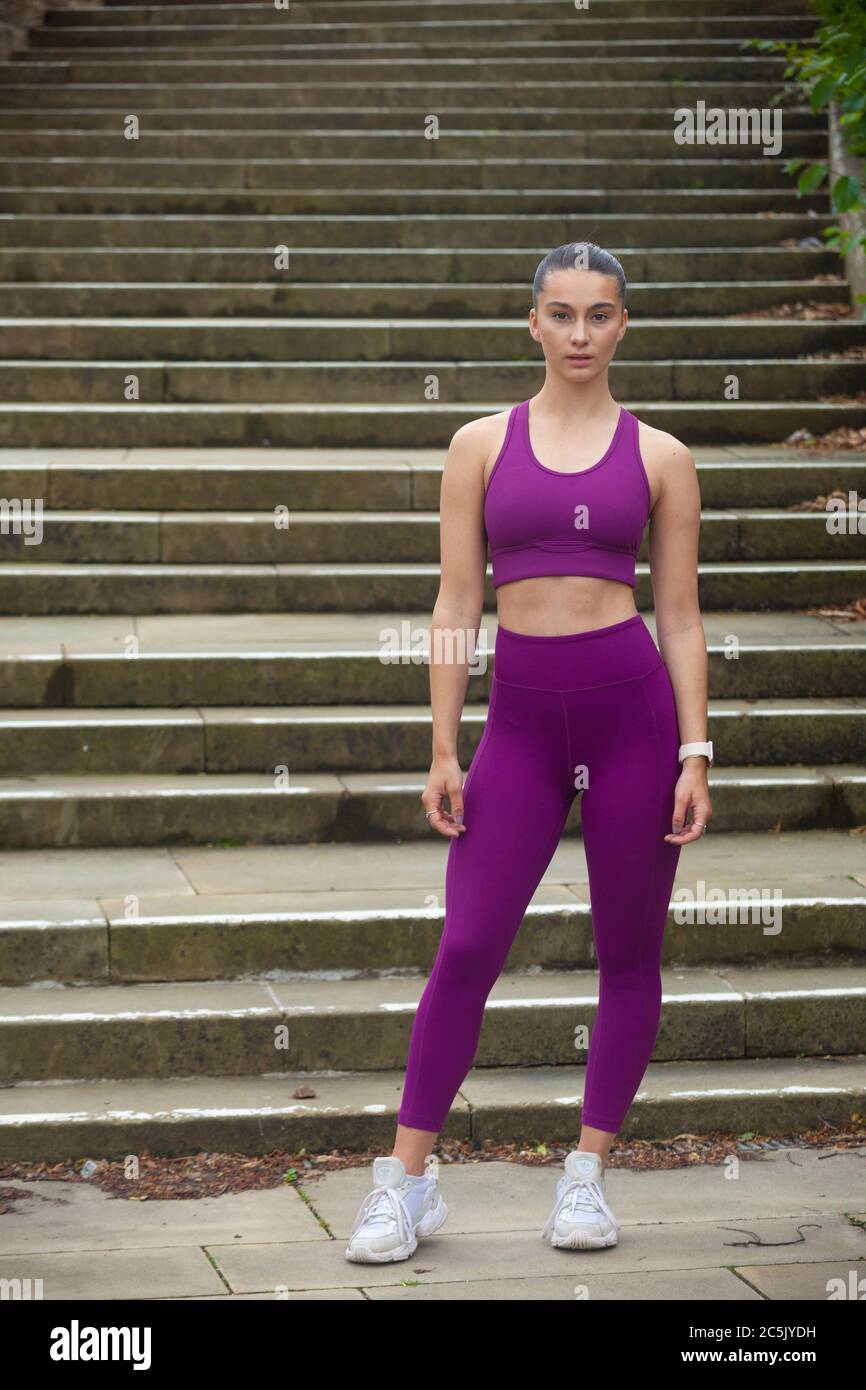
<point>541,522</point>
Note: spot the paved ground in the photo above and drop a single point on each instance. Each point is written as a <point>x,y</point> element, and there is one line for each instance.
<point>787,1224</point>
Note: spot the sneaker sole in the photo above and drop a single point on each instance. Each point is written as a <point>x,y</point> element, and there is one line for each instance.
<point>362,1255</point>
<point>579,1240</point>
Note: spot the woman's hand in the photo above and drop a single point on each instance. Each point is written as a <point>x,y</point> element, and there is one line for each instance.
<point>692,794</point>
<point>445,779</point>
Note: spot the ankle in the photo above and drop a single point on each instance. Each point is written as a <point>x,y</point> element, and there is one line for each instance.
<point>414,1168</point>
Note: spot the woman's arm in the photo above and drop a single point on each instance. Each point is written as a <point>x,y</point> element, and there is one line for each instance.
<point>456,613</point>
<point>673,551</point>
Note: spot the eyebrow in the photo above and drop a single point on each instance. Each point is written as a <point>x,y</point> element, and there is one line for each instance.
<point>600,304</point>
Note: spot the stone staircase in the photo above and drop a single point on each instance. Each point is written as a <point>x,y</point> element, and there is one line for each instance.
<point>232,353</point>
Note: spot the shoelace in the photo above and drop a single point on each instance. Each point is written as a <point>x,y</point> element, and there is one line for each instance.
<point>581,1194</point>
<point>381,1204</point>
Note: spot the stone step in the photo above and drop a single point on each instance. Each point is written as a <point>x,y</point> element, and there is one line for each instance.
<point>427,302</point>
<point>230,1028</point>
<point>477,225</point>
<point>400,537</point>
<point>363,737</point>
<point>258,29</point>
<point>747,170</point>
<point>302,659</point>
<point>387,37</point>
<point>362,909</point>
<point>460,218</point>
<point>36,588</point>
<point>670,382</point>
<point>329,13</point>
<point>648,141</point>
<point>137,940</point>
<point>293,118</point>
<point>193,86</point>
<point>50,1122</point>
<point>368,480</point>
<point>357,424</point>
<point>473,267</point>
<point>242,344</point>
<point>111,737</point>
<point>326,71</point>
<point>275,42</point>
<point>284,807</point>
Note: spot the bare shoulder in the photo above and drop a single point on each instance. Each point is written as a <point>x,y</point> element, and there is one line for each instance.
<point>666,460</point>
<point>662,447</point>
<point>476,444</point>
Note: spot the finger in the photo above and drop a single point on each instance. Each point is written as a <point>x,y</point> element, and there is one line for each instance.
<point>441,823</point>
<point>691,832</point>
<point>702,814</point>
<point>678,819</point>
<point>440,819</point>
<point>432,803</point>
<point>450,823</point>
<point>694,830</point>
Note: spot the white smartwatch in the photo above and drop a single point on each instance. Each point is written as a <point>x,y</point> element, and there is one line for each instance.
<point>686,749</point>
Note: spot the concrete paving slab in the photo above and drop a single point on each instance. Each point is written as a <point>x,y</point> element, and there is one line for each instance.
<point>70,630</point>
<point>51,912</point>
<point>813,981</point>
<point>54,1216</point>
<point>106,1104</point>
<point>188,631</point>
<point>137,784</point>
<point>812,1282</point>
<point>336,876</point>
<point>296,1296</point>
<point>47,874</point>
<point>279,457</point>
<point>493,1196</point>
<point>509,991</point>
<point>153,716</point>
<point>695,1285</point>
<point>445,1257</point>
<point>115,1274</point>
<point>302,868</point>
<point>34,457</point>
<point>681,1231</point>
<point>346,902</point>
<point>182,999</point>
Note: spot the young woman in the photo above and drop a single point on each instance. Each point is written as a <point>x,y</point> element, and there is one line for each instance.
<point>582,702</point>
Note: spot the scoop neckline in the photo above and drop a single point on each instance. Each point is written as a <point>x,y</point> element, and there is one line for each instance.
<point>573,472</point>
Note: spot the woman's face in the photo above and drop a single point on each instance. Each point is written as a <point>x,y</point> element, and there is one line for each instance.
<point>579,322</point>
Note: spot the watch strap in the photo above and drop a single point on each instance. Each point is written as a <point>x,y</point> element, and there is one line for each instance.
<point>687,749</point>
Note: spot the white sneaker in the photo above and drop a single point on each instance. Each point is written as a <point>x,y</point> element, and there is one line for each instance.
<point>385,1227</point>
<point>581,1218</point>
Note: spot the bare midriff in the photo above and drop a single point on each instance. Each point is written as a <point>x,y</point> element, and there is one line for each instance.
<point>554,605</point>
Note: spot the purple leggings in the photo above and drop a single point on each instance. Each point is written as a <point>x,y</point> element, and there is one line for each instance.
<point>590,713</point>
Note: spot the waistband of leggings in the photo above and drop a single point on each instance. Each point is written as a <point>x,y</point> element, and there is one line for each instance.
<point>576,660</point>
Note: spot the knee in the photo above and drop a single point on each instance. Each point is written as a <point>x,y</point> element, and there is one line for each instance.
<point>467,961</point>
<point>624,974</point>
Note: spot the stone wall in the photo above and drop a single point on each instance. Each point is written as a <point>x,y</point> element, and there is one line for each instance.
<point>18,17</point>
